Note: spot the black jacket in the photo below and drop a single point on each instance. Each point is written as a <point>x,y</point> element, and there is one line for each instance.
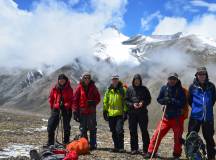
<point>136,94</point>
<point>174,98</point>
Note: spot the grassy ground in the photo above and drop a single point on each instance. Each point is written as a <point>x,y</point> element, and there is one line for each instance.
<point>23,129</point>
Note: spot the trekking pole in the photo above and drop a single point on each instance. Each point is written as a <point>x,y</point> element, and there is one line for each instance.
<point>62,132</point>
<point>158,132</point>
<point>57,132</point>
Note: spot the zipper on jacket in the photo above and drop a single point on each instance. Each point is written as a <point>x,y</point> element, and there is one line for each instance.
<point>204,105</point>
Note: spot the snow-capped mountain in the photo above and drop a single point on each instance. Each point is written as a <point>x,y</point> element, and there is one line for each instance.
<point>113,46</point>
<point>108,47</point>
<point>151,56</point>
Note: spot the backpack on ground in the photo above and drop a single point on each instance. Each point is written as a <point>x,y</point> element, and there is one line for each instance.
<point>54,152</point>
<point>79,145</point>
<point>194,147</point>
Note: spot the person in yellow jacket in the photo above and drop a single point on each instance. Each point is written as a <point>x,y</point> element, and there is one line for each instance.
<point>115,112</point>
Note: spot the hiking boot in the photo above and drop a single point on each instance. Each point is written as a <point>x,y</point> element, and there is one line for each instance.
<point>34,155</point>
<point>121,151</point>
<point>176,156</point>
<point>114,150</point>
<point>148,155</point>
<point>134,152</point>
<point>93,148</point>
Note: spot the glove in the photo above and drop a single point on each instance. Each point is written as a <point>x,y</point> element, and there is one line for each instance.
<point>173,100</point>
<point>167,100</point>
<point>76,116</point>
<point>125,116</point>
<point>105,115</point>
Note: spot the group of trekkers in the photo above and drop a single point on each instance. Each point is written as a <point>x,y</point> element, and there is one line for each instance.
<point>121,103</point>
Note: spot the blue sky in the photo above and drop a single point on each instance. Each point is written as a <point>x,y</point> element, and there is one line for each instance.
<point>38,31</point>
<point>142,16</point>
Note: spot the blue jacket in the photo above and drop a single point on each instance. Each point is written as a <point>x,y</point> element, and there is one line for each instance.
<point>177,100</point>
<point>202,101</point>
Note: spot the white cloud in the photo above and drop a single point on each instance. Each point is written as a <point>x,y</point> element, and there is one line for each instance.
<point>73,2</point>
<point>115,7</point>
<point>52,33</point>
<point>146,21</point>
<point>202,25</point>
<point>170,25</point>
<point>200,3</point>
<point>179,7</point>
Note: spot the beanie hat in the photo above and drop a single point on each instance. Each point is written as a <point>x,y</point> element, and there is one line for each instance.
<point>85,74</point>
<point>62,76</point>
<point>201,69</point>
<point>173,75</point>
<point>115,76</point>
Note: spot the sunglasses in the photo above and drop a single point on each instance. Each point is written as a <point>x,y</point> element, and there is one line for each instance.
<point>86,78</point>
<point>201,74</point>
<point>172,78</point>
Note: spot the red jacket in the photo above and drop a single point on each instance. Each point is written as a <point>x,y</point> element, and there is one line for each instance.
<point>81,98</point>
<point>55,97</point>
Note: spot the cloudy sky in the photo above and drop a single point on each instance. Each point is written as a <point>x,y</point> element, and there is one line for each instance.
<point>148,16</point>
<point>36,32</point>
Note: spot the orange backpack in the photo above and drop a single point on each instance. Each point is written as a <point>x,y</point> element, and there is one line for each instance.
<point>80,146</point>
<point>186,107</point>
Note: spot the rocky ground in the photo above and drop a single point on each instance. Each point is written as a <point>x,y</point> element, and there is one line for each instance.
<point>21,132</point>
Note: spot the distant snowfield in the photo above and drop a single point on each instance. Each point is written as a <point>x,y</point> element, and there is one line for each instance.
<point>111,46</point>
<point>15,150</point>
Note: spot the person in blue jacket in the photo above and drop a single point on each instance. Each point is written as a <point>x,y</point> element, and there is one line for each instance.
<point>202,97</point>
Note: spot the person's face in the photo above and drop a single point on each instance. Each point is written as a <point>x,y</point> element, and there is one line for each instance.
<point>172,81</point>
<point>115,82</point>
<point>201,76</point>
<point>62,82</point>
<point>86,79</point>
<point>137,82</point>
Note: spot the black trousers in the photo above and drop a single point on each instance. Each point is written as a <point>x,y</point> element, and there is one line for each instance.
<point>116,125</point>
<point>208,133</point>
<point>88,122</point>
<point>53,123</point>
<point>140,118</point>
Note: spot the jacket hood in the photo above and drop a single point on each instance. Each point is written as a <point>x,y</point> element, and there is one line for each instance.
<point>137,76</point>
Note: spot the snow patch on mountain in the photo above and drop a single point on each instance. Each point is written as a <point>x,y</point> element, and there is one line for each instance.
<point>109,47</point>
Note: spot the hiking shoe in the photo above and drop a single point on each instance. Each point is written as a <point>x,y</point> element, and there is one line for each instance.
<point>148,155</point>
<point>121,151</point>
<point>93,148</point>
<point>133,152</point>
<point>114,150</point>
<point>34,155</point>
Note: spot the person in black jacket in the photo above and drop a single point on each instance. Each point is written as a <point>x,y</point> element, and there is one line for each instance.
<point>137,99</point>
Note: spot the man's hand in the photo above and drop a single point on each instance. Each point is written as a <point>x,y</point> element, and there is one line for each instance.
<point>141,104</point>
<point>167,100</point>
<point>136,105</point>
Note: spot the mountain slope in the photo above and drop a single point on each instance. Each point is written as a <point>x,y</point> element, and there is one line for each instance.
<point>151,56</point>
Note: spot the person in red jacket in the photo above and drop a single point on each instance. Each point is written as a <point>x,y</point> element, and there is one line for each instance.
<point>86,98</point>
<point>61,100</point>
